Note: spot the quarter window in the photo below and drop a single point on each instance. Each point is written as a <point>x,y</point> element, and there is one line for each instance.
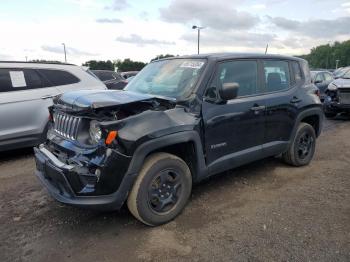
<point>245,73</point>
<point>277,76</point>
<point>296,72</point>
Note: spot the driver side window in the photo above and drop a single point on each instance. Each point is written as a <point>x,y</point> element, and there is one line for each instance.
<point>243,72</point>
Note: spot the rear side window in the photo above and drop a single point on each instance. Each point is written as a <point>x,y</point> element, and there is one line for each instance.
<point>319,78</point>
<point>328,77</point>
<point>277,76</point>
<point>296,73</point>
<point>245,73</point>
<point>5,80</point>
<point>19,79</point>
<point>105,76</point>
<point>58,77</point>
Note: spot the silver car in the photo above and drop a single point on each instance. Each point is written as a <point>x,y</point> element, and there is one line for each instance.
<point>26,92</point>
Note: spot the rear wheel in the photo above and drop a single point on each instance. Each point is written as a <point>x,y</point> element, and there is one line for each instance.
<point>161,190</point>
<point>302,149</point>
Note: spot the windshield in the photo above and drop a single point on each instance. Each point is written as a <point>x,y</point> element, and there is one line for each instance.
<point>346,75</point>
<point>341,72</point>
<point>173,78</point>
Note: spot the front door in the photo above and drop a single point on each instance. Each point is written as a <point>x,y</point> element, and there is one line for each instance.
<point>233,130</point>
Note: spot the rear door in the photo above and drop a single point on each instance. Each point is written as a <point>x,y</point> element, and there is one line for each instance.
<point>24,102</point>
<point>282,79</point>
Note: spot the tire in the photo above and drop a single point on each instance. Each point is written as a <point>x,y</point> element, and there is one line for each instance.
<point>301,150</point>
<point>149,194</point>
<point>330,114</point>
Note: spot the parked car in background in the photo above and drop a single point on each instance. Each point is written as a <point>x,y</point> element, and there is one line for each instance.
<point>322,79</point>
<point>111,79</point>
<point>178,122</point>
<point>129,79</point>
<point>338,96</point>
<point>26,92</point>
<point>126,75</point>
<point>340,71</point>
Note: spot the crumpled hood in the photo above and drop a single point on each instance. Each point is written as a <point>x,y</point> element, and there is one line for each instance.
<point>94,99</point>
<point>342,83</point>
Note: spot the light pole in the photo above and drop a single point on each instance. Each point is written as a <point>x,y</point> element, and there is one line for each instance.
<point>199,33</point>
<point>336,63</point>
<point>267,47</point>
<point>65,54</point>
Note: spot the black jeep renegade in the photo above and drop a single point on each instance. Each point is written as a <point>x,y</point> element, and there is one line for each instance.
<point>179,121</point>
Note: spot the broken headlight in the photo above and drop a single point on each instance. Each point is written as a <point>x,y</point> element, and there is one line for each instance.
<point>95,132</point>
<point>332,87</point>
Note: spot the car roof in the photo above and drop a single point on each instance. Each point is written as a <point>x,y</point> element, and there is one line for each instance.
<point>224,56</point>
<point>320,71</point>
<point>101,70</point>
<point>129,72</point>
<point>33,62</point>
<point>48,65</point>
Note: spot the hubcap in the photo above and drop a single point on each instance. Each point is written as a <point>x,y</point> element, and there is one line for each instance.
<point>305,145</point>
<point>164,191</point>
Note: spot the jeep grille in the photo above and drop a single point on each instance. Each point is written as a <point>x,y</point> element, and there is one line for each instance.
<point>344,96</point>
<point>66,125</point>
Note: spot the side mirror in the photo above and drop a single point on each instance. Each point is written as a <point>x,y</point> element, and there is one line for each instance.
<point>229,91</point>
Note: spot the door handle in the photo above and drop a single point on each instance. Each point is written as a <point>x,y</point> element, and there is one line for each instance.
<point>295,100</point>
<point>258,108</point>
<point>47,96</point>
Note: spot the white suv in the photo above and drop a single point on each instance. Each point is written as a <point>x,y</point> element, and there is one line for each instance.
<point>26,92</point>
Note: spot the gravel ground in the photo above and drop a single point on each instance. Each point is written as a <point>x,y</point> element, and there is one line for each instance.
<point>265,211</point>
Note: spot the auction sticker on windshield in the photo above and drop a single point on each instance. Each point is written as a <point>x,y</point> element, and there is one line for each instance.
<point>192,64</point>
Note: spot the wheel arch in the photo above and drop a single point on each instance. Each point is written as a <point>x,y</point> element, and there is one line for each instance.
<point>312,116</point>
<point>186,145</point>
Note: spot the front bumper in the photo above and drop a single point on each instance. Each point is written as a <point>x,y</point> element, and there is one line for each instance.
<point>54,176</point>
<point>331,106</point>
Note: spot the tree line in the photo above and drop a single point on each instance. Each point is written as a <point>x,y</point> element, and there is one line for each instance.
<point>121,65</point>
<point>326,56</point>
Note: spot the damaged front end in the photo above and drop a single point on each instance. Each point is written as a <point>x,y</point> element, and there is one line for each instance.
<point>86,157</point>
<point>338,98</point>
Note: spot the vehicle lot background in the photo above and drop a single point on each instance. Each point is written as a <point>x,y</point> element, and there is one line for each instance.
<point>265,211</point>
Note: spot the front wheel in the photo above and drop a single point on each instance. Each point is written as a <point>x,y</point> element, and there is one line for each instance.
<point>161,190</point>
<point>302,149</point>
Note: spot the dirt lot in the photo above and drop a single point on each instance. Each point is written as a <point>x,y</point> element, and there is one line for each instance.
<point>265,211</point>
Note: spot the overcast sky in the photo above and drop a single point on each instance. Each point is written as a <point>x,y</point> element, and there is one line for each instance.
<point>140,30</point>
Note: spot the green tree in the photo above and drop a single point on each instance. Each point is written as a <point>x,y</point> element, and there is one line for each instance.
<point>325,56</point>
<point>128,65</point>
<point>99,65</point>
<point>161,57</point>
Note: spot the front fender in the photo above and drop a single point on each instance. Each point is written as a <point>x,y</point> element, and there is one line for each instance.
<point>181,137</point>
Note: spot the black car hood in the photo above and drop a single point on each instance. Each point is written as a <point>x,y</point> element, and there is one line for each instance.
<point>94,99</point>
